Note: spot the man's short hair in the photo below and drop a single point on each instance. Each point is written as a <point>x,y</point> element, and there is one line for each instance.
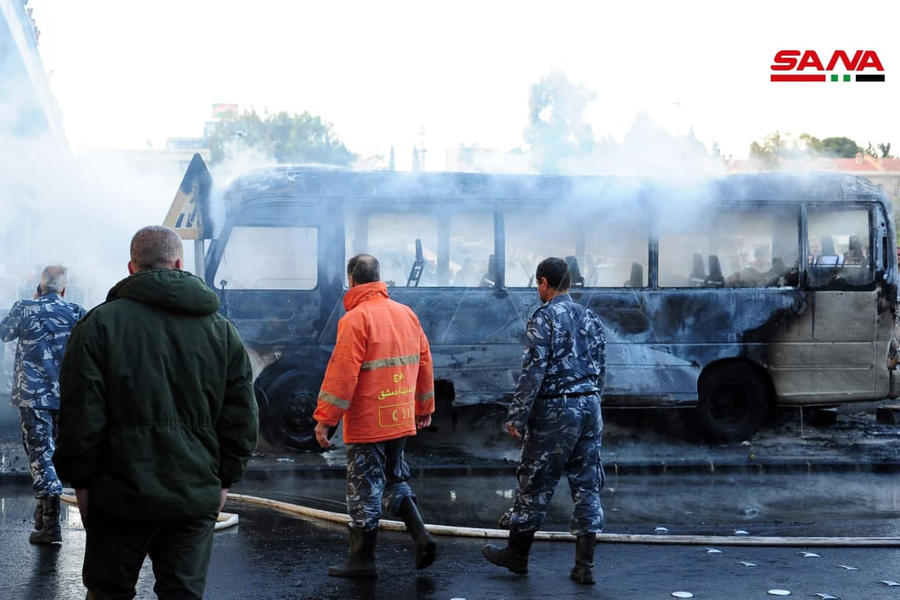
<point>155,247</point>
<point>53,279</point>
<point>556,271</point>
<point>363,268</point>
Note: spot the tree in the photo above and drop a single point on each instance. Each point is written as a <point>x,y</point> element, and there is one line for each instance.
<point>556,129</point>
<point>770,151</point>
<point>840,147</point>
<point>302,138</point>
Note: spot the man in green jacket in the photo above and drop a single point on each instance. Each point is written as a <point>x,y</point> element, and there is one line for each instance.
<point>157,419</point>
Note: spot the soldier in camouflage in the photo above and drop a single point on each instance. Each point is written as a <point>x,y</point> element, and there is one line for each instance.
<point>556,407</point>
<point>42,326</point>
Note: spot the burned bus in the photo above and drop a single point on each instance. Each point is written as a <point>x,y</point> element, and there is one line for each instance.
<point>730,296</point>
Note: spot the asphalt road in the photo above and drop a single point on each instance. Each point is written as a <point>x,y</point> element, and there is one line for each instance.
<point>271,556</point>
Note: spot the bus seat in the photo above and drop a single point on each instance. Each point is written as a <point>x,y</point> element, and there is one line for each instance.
<point>828,246</point>
<point>697,277</point>
<point>777,275</point>
<point>854,254</point>
<point>637,276</point>
<point>415,273</point>
<point>574,271</point>
<point>715,278</point>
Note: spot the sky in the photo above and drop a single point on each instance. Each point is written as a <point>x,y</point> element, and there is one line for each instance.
<point>129,74</point>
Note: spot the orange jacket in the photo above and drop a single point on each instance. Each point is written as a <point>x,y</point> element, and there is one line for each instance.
<point>379,377</point>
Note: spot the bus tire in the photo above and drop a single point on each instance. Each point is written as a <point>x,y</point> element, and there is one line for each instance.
<point>286,406</point>
<point>733,402</point>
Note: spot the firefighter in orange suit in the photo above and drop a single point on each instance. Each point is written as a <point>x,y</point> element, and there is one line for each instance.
<point>379,380</point>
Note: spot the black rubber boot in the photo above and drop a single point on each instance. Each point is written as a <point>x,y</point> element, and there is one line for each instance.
<point>515,556</point>
<point>361,562</point>
<point>50,531</point>
<point>38,515</point>
<point>583,571</point>
<point>425,546</point>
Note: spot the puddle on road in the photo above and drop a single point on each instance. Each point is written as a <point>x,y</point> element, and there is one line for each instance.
<point>798,504</point>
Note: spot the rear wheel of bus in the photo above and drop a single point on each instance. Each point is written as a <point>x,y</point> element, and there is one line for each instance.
<point>733,401</point>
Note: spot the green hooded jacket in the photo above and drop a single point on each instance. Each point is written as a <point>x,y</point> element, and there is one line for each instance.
<point>157,410</point>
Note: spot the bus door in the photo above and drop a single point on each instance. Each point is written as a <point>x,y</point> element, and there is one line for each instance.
<point>276,270</point>
<point>843,302</point>
<point>440,260</point>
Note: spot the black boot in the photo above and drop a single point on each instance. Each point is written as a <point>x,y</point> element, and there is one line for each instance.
<point>362,555</point>
<point>425,546</point>
<point>515,556</point>
<point>583,571</point>
<point>50,531</point>
<point>38,515</point>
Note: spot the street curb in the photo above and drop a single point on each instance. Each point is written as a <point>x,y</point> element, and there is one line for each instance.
<point>263,472</point>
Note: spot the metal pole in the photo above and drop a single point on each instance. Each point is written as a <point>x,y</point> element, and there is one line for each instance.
<point>199,259</point>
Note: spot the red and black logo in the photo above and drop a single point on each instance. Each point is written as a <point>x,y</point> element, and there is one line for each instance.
<point>805,65</point>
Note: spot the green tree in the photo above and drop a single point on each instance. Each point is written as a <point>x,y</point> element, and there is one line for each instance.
<point>556,129</point>
<point>772,149</point>
<point>813,144</point>
<point>302,138</point>
<point>840,147</point>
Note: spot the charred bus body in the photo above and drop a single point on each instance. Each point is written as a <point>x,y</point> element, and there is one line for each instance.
<point>734,295</point>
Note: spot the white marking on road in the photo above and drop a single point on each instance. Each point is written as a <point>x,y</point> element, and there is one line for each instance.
<point>849,568</point>
<point>779,592</point>
<point>747,563</point>
<point>713,551</point>
<point>682,594</point>
<point>889,583</point>
<point>809,555</point>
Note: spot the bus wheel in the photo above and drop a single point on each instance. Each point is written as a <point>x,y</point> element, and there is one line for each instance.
<point>732,404</point>
<point>286,407</point>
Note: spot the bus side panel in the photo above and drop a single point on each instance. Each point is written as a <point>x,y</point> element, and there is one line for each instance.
<point>476,338</point>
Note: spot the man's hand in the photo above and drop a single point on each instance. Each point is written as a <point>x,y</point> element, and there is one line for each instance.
<point>222,499</point>
<point>321,431</point>
<point>82,496</point>
<point>511,429</point>
<point>423,421</point>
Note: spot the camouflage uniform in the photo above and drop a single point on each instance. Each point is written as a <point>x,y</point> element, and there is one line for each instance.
<point>377,476</point>
<point>42,327</point>
<point>557,408</point>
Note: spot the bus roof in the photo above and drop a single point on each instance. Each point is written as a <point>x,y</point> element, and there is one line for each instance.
<point>315,183</point>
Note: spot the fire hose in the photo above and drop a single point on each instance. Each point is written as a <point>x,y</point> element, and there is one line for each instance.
<point>230,519</point>
<point>560,536</point>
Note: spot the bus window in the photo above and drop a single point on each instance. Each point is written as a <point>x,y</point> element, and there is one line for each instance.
<point>839,247</point>
<point>530,238</point>
<point>471,243</point>
<point>391,238</point>
<point>756,247</point>
<point>615,255</point>
<point>270,258</point>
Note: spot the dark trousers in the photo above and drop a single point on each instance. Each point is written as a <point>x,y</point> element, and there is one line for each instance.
<point>115,550</point>
<point>563,436</point>
<point>377,476</point>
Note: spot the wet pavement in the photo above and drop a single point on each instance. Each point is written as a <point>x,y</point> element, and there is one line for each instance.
<point>272,556</point>
<point>795,478</point>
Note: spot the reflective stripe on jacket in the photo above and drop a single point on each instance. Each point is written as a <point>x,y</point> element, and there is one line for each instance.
<point>379,377</point>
